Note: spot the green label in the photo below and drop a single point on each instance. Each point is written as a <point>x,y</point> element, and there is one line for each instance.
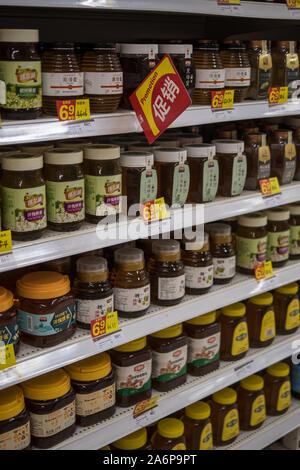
<point>204,351</point>
<point>23,84</point>
<point>251,252</point>
<point>148,186</point>
<point>9,334</point>
<point>278,246</point>
<point>102,194</point>
<point>65,201</point>
<point>295,239</point>
<point>239,173</point>
<point>24,210</point>
<point>181,184</point>
<point>133,379</point>
<point>47,324</point>
<point>168,366</point>
<point>210,180</point>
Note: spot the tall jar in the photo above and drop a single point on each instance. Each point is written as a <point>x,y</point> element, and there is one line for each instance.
<point>283,155</point>
<point>278,228</point>
<point>285,65</point>
<point>198,266</point>
<point>225,417</point>
<point>286,307</point>
<point>251,403</point>
<point>232,166</point>
<point>251,241</point>
<point>278,389</point>
<point>197,426</point>
<point>223,252</point>
<point>237,69</point>
<point>204,170</point>
<point>61,75</point>
<point>234,332</point>
<point>261,69</point>
<point>181,55</point>
<point>294,223</point>
<point>258,159</point>
<point>261,320</point>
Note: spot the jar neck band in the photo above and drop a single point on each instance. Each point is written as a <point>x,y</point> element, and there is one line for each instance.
<point>131,266</point>
<point>167,257</point>
<point>89,277</point>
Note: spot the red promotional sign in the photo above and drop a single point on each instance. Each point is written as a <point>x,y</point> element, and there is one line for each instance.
<point>160,99</point>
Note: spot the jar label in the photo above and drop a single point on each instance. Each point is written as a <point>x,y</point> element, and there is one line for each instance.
<point>250,252</point>
<point>224,267</point>
<point>24,210</point>
<point>148,186</point>
<point>268,327</point>
<point>292,61</point>
<point>204,351</point>
<point>265,62</point>
<point>133,379</point>
<point>9,334</point>
<point>210,78</point>
<point>132,300</point>
<point>103,194</point>
<point>171,287</point>
<point>91,403</point>
<point>237,76</point>
<point>231,426</point>
<point>103,83</point>
<point>292,315</point>
<point>169,366</point>
<point>65,201</point>
<point>295,239</point>
<point>23,84</point>
<point>210,180</point>
<point>288,171</point>
<point>284,396</point>
<point>264,162</point>
<point>278,246</point>
<point>47,425</point>
<point>16,439</point>
<point>206,438</point>
<point>47,324</point>
<point>258,410</point>
<point>88,310</point>
<point>198,278</point>
<point>181,184</point>
<point>62,84</point>
<point>239,173</point>
<point>240,340</point>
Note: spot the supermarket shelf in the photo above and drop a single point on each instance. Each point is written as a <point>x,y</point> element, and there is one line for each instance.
<point>32,362</point>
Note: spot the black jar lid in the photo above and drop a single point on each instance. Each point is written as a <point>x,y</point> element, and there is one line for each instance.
<point>104,46</point>
<point>59,45</point>
<point>207,46</point>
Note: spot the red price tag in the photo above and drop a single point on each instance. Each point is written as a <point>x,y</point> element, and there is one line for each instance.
<point>229,2</point>
<point>160,99</point>
<point>73,110</point>
<point>293,3</point>
<point>278,95</point>
<point>269,186</point>
<point>263,271</point>
<point>105,325</point>
<point>154,210</point>
<point>222,99</point>
<point>145,405</point>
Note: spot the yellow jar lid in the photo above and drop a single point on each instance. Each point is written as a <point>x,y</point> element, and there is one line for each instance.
<point>234,310</point>
<point>253,383</point>
<point>6,299</point>
<point>281,369</point>
<point>227,396</point>
<point>288,289</point>
<point>43,285</point>
<point>170,428</point>
<point>132,346</point>
<point>170,332</point>
<point>198,410</point>
<point>11,402</point>
<point>206,319</point>
<point>133,441</point>
<point>49,386</point>
<point>262,299</point>
<point>92,368</point>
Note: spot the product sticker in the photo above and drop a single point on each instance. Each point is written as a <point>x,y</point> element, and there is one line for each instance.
<point>181,184</point>
<point>65,201</point>
<point>292,315</point>
<point>224,267</point>
<point>8,359</point>
<point>210,78</point>
<point>88,310</point>
<point>295,239</point>
<point>237,76</point>
<point>5,244</point>
<point>240,339</point>
<point>47,425</point>
<point>169,366</point>
<point>203,351</point>
<point>258,411</point>
<point>9,334</point>
<point>74,110</point>
<point>222,99</point>
<point>284,396</point>
<point>171,287</point>
<point>62,84</point>
<point>132,300</point>
<point>133,379</point>
<point>154,210</point>
<point>103,194</point>
<point>206,438</point>
<point>278,246</point>
<point>199,278</point>
<point>16,439</point>
<point>264,72</point>
<point>268,327</point>
<point>90,403</point>
<point>264,162</point>
<point>103,83</point>
<point>148,186</point>
<point>239,173</point>
<point>47,324</point>
<point>210,180</point>
<point>250,252</point>
<point>231,426</point>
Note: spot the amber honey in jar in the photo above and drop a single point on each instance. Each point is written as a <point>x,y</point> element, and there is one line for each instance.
<point>286,307</point>
<point>14,420</point>
<point>278,236</point>
<point>224,417</point>
<point>283,155</point>
<point>251,403</point>
<point>251,241</point>
<point>198,265</point>
<point>232,166</point>
<point>131,283</point>
<point>260,59</point>
<point>278,389</point>
<point>223,252</point>
<point>197,426</point>
<point>169,435</point>
<point>261,320</point>
<point>237,69</point>
<point>181,55</point>
<point>234,332</point>
<point>258,159</point>
<point>166,271</point>
<point>9,327</point>
<point>294,223</point>
<point>204,171</point>
<point>62,78</point>
<point>285,65</point>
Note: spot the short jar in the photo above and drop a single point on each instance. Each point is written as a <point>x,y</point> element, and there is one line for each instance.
<point>261,320</point>
<point>286,307</point>
<point>224,417</point>
<point>234,332</point>
<point>197,426</point>
<point>204,170</point>
<point>232,166</point>
<point>198,265</point>
<point>251,403</point>
<point>14,420</point>
<point>251,241</point>
<point>223,252</point>
<point>9,327</point>
<point>278,389</point>
<point>169,435</point>
<point>294,223</point>
<point>278,228</point>
<point>258,159</point>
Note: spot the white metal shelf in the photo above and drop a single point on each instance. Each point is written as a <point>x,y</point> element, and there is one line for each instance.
<point>32,362</point>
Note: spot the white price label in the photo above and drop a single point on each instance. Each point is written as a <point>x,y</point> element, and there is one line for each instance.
<point>245,370</point>
<point>269,283</point>
<point>79,128</point>
<point>224,115</point>
<point>108,342</point>
<point>147,418</point>
<point>272,201</point>
<point>10,376</point>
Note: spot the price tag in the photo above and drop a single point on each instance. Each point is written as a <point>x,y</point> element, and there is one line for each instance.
<point>73,110</point>
<point>5,242</point>
<point>263,271</point>
<point>269,187</point>
<point>154,210</point>
<point>278,95</point>
<point>145,405</point>
<point>293,3</point>
<point>222,99</point>
<point>105,325</point>
<point>245,370</point>
<point>7,356</point>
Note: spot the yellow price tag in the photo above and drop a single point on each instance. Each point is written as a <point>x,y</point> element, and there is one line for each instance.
<point>7,356</point>
<point>229,2</point>
<point>82,110</point>
<point>222,99</point>
<point>269,186</point>
<point>105,325</point>
<point>263,271</point>
<point>154,210</point>
<point>5,242</point>
<point>112,323</point>
<point>293,3</point>
<point>278,95</point>
<point>145,405</point>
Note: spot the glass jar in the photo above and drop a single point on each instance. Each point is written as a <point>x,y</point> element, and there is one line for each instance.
<point>294,223</point>
<point>9,327</point>
<point>260,59</point>
<point>20,69</point>
<point>251,241</point>
<point>203,334</point>
<point>261,320</point>
<point>23,196</point>
<point>103,78</point>
<point>103,181</point>
<point>251,403</point>
<point>37,148</point>
<point>285,65</point>
<point>169,435</point>
<point>237,69</point>
<point>210,72</point>
<point>197,426</point>
<point>198,266</point>
<point>278,236</point>
<point>14,420</point>
<point>181,55</point>
<point>286,307</point>
<point>92,289</point>
<point>225,417</point>
<point>278,389</point>
<point>166,272</point>
<point>234,332</point>
<point>131,283</point>
<point>258,159</point>
<point>135,441</point>
<point>204,170</point>
<point>232,166</point>
<point>61,75</point>
<point>283,155</point>
<point>223,252</point>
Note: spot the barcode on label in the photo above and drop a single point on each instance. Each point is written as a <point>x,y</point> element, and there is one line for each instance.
<point>29,323</point>
<point>105,343</point>
<point>244,370</point>
<point>269,333</point>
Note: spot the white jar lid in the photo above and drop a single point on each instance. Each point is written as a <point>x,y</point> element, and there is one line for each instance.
<point>143,147</point>
<point>19,35</point>
<point>37,148</point>
<point>256,219</point>
<point>61,156</point>
<point>74,143</point>
<point>172,154</point>
<point>278,214</point>
<point>294,209</point>
<point>137,159</point>
<point>128,255</point>
<point>185,49</point>
<point>186,139</point>
<point>101,152</point>
<point>146,49</point>
<point>201,150</point>
<point>193,245</point>
<point>22,162</point>
<point>229,146</point>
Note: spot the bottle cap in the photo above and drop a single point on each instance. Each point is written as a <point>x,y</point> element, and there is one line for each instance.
<point>128,256</point>
<point>206,319</point>
<point>49,386</point>
<point>201,150</point>
<point>235,310</point>
<point>281,369</point>
<point>262,299</point>
<point>253,383</point>
<point>89,369</point>
<point>199,410</point>
<point>141,159</point>
<point>101,152</point>
<point>228,396</point>
<point>171,332</point>
<point>170,155</point>
<point>133,441</point>
<point>288,289</point>
<point>43,285</point>
<point>171,428</point>
<point>256,219</point>
<point>165,247</point>
<point>133,346</point>
<point>22,162</point>
<point>278,214</point>
<point>11,402</point>
<point>63,156</point>
<point>91,264</point>
<point>229,146</point>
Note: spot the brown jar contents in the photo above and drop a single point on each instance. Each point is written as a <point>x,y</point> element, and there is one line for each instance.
<point>197,426</point>
<point>169,358</point>
<point>166,272</point>
<point>46,313</point>
<point>135,441</point>
<point>296,139</point>
<point>251,403</point>
<point>225,417</point>
<point>61,75</point>
<point>133,365</point>
<point>294,223</point>
<point>223,252</point>
<point>169,435</point>
<point>283,156</point>
<point>131,283</point>
<point>14,420</point>
<point>37,148</point>
<point>237,69</point>
<point>260,60</point>
<point>181,55</point>
<point>232,166</point>
<point>261,320</point>
<point>204,171</point>
<point>9,327</point>
<point>251,241</point>
<point>286,306</point>
<point>103,78</point>
<point>226,130</point>
<point>198,266</point>
<point>278,389</point>
<point>258,159</point>
<point>93,381</point>
<point>268,129</point>
<point>278,236</point>
<point>50,401</point>
<point>234,332</point>
<point>203,344</point>
<point>285,65</point>
<point>210,72</point>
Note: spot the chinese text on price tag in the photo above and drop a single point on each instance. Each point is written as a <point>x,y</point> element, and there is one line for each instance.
<point>5,242</point>
<point>229,2</point>
<point>73,110</point>
<point>222,99</point>
<point>145,405</point>
<point>105,325</point>
<point>7,356</point>
<point>278,95</point>
<point>154,210</point>
<point>160,99</point>
<point>263,271</point>
<point>269,187</point>
<point>293,3</point>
